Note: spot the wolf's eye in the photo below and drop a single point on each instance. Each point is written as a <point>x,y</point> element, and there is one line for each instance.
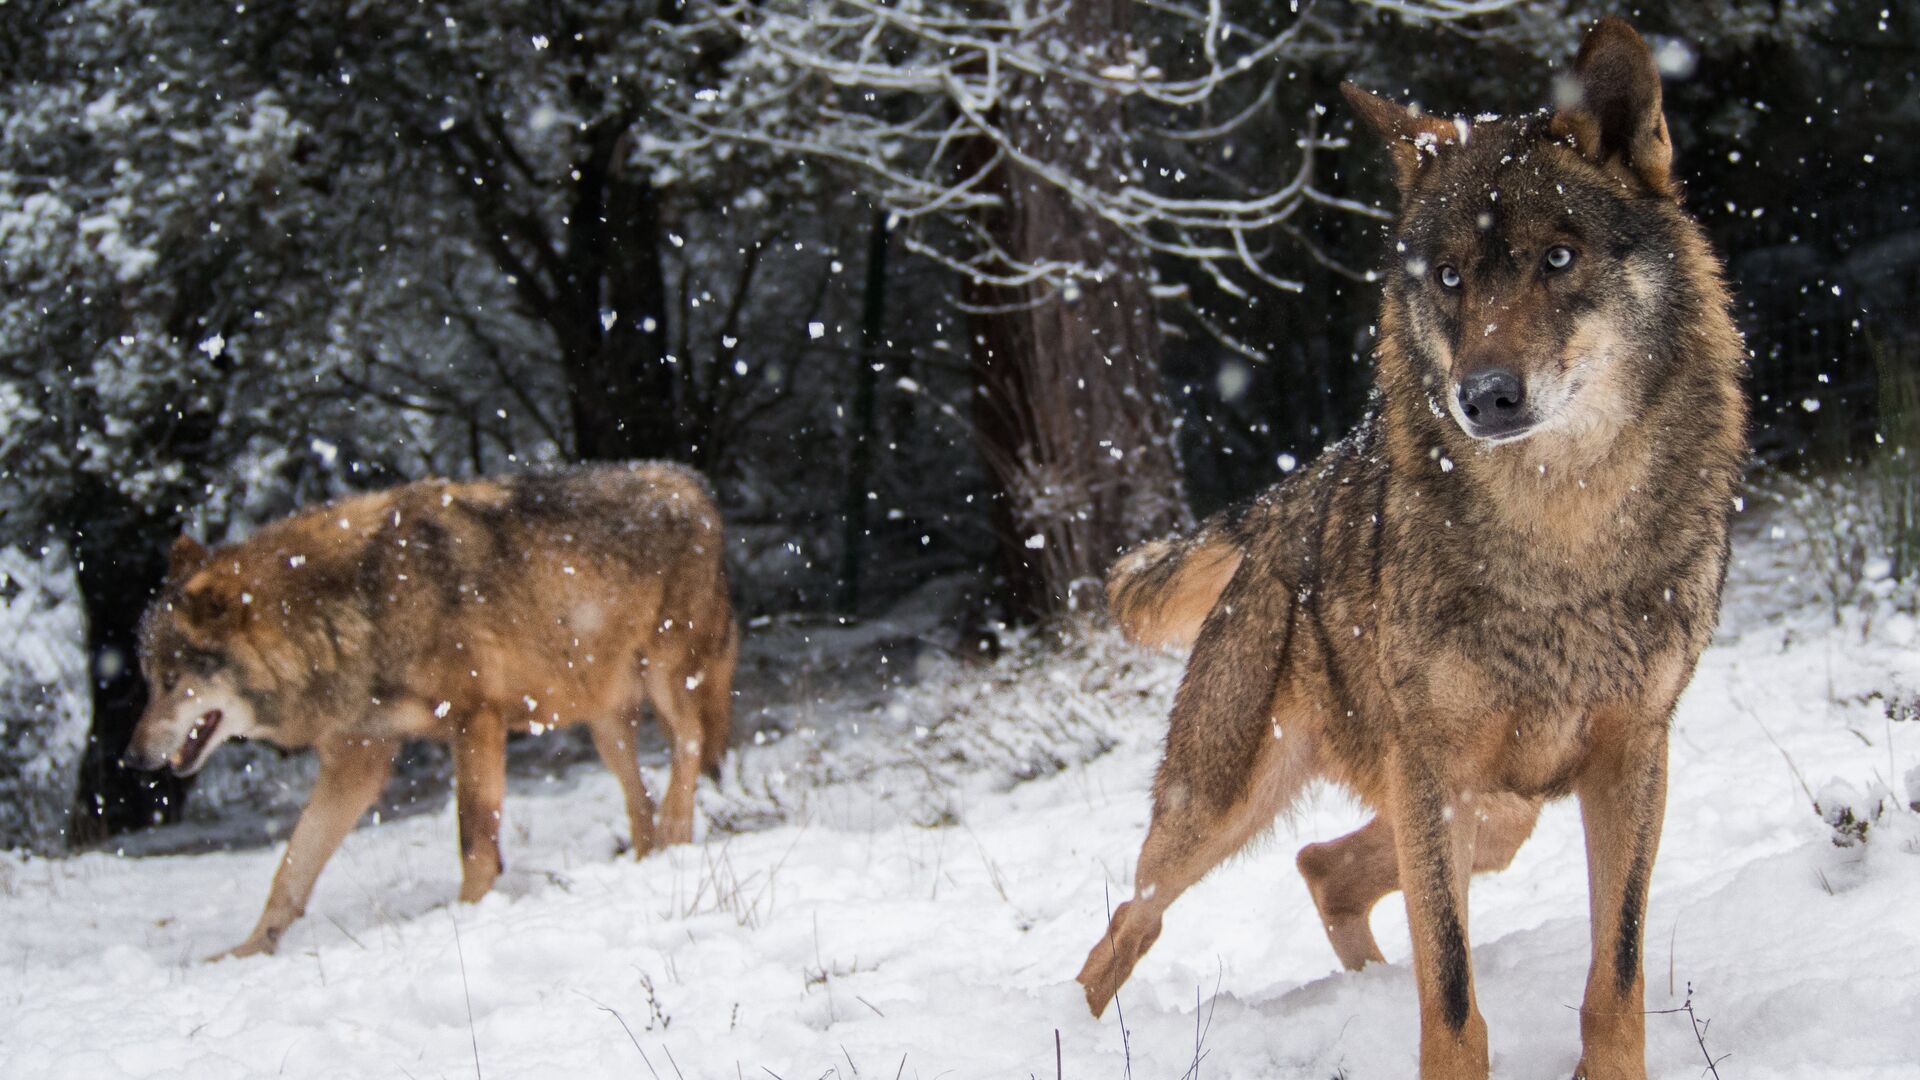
<point>1559,257</point>
<point>1449,277</point>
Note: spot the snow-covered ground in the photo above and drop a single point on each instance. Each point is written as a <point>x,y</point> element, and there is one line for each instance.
<point>901,876</point>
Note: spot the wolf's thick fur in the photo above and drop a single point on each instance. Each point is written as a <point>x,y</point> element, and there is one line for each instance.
<point>1481,598</point>
<point>458,612</point>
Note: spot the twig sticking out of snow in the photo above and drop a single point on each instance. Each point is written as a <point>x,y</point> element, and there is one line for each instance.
<point>1700,1036</point>
<point>1199,1033</point>
<point>1699,1033</point>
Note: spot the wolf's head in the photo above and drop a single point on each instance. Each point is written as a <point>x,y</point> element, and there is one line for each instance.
<point>197,689</point>
<point>1540,261</point>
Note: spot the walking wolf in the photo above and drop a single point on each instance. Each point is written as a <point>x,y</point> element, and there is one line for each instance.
<point>457,612</point>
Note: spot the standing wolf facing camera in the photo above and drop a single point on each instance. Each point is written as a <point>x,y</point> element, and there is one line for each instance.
<point>457,612</point>
<point>1495,590</point>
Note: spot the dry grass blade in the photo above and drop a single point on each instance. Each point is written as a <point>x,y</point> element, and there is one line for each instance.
<point>615,1013</point>
<point>473,1035</point>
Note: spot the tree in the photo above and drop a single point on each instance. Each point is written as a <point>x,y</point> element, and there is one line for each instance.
<point>1045,155</point>
<point>249,264</point>
<point>131,388</point>
<point>542,135</point>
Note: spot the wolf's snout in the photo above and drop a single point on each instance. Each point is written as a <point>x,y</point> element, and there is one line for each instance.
<point>1494,403</point>
<point>144,760</point>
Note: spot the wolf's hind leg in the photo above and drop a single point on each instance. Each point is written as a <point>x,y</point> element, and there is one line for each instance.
<point>673,702</point>
<point>1190,835</point>
<point>352,773</point>
<point>1505,823</point>
<point>1348,876</point>
<point>613,738</point>
<point>480,782</point>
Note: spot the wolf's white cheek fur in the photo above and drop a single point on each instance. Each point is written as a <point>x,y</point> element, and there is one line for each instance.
<point>193,705</point>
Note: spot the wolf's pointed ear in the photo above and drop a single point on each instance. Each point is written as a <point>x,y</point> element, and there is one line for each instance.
<point>186,556</point>
<point>208,606</point>
<point>1411,137</point>
<point>1610,108</point>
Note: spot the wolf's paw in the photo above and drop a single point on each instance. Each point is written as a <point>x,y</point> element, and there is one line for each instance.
<point>1114,955</point>
<point>259,944</point>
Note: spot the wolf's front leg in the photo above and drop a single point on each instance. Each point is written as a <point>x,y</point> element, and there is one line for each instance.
<point>1623,799</point>
<point>613,739</point>
<point>480,782</point>
<point>352,773</point>
<point>1433,840</point>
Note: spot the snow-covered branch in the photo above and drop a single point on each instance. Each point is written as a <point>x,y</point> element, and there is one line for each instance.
<point>935,107</point>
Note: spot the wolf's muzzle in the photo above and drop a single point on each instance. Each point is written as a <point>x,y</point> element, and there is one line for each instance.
<point>141,760</point>
<point>1494,403</point>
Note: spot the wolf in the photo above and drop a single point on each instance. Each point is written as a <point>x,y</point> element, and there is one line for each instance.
<point>1492,592</point>
<point>455,611</point>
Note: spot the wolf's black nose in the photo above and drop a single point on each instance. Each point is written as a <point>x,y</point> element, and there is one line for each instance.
<point>1493,402</point>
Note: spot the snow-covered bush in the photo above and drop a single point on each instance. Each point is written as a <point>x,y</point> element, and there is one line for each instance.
<point>1861,528</point>
<point>1852,812</point>
<point>1871,816</point>
<point>43,694</point>
<point>1048,701</point>
<point>1856,532</point>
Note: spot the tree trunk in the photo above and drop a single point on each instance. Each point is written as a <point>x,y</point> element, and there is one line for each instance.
<point>120,556</point>
<point>864,429</point>
<point>612,317</point>
<point>1071,410</point>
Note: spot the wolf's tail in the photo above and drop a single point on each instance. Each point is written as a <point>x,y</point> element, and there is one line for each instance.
<point>1161,592</point>
<point>715,700</point>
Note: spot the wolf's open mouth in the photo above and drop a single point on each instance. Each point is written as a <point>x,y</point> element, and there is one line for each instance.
<point>197,741</point>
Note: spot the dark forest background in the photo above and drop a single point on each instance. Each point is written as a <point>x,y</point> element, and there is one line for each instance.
<point>975,291</point>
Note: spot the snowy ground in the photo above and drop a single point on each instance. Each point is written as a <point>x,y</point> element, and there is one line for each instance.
<point>901,880</point>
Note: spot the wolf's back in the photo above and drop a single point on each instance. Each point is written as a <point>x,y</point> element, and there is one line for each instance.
<point>1161,592</point>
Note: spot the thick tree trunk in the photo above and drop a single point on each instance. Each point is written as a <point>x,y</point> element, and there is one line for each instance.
<point>863,421</point>
<point>612,318</point>
<point>120,555</point>
<point>1071,411</point>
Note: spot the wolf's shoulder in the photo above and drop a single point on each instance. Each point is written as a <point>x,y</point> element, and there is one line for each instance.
<point>1355,459</point>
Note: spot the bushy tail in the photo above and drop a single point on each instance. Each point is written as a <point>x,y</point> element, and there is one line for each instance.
<point>1160,593</point>
<point>715,700</point>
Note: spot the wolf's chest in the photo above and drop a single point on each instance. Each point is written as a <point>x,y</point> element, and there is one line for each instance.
<point>1570,656</point>
<point>1517,691</point>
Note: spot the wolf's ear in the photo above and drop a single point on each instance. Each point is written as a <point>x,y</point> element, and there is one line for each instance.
<point>1610,108</point>
<point>207,605</point>
<point>186,556</point>
<point>1411,137</point>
